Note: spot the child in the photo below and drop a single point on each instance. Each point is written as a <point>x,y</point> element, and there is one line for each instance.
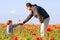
<point>10,26</point>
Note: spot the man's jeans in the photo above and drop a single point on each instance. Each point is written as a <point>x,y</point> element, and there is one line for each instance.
<point>44,25</point>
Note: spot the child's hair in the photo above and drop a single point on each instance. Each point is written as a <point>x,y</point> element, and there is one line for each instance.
<point>9,21</point>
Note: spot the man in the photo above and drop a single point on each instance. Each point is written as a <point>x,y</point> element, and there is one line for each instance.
<point>40,14</point>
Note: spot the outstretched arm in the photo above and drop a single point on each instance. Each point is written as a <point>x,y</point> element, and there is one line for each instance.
<point>28,18</point>
<point>15,25</point>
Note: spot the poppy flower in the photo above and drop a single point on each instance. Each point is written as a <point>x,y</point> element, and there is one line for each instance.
<point>38,38</point>
<point>52,39</point>
<point>33,34</point>
<point>48,29</point>
<point>3,25</point>
<point>58,27</point>
<point>15,38</point>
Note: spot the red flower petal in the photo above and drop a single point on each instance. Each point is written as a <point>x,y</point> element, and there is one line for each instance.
<point>52,39</point>
<point>38,38</point>
<point>48,29</point>
<point>15,38</point>
<point>33,34</point>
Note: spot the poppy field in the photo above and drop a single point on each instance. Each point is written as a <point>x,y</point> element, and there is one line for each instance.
<point>30,32</point>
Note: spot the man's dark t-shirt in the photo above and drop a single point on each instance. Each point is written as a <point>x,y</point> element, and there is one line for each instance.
<point>37,12</point>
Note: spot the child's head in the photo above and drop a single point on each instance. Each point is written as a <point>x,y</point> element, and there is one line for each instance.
<point>9,22</point>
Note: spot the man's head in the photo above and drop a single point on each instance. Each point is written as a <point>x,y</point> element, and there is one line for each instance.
<point>29,6</point>
<point>9,22</point>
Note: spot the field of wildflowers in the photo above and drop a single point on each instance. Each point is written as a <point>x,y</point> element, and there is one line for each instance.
<point>30,32</point>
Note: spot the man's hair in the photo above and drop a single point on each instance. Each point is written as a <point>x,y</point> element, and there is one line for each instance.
<point>28,4</point>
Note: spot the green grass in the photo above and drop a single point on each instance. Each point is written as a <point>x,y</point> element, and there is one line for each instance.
<point>25,33</point>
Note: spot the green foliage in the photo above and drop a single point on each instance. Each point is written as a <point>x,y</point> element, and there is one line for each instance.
<point>25,33</point>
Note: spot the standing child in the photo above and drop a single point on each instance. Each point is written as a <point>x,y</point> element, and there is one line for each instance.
<point>10,26</point>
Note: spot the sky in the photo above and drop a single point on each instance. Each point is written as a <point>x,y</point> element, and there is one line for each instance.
<point>16,10</point>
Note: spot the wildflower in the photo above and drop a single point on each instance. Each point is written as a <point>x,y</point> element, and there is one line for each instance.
<point>38,38</point>
<point>48,29</point>
<point>52,39</point>
<point>33,34</point>
<point>15,38</point>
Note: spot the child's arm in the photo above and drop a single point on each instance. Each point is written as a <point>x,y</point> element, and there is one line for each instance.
<point>15,25</point>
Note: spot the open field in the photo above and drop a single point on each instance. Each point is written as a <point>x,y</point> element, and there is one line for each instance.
<point>30,32</point>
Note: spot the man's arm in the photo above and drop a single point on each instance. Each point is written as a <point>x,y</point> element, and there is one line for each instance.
<point>28,18</point>
<point>41,19</point>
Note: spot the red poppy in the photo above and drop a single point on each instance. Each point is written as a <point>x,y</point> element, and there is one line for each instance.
<point>33,34</point>
<point>38,38</point>
<point>58,27</point>
<point>52,39</point>
<point>15,38</point>
<point>48,29</point>
<point>3,25</point>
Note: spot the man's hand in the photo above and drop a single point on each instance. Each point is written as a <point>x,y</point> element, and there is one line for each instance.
<point>21,23</point>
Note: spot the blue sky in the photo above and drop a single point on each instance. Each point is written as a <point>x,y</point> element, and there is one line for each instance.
<point>16,10</point>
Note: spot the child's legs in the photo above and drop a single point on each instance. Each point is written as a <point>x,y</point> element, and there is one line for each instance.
<point>44,25</point>
<point>10,36</point>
